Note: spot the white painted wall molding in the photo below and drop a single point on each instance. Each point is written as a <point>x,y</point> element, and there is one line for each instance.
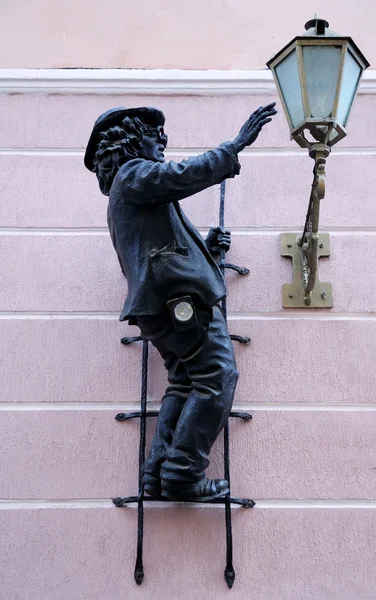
<point>147,81</point>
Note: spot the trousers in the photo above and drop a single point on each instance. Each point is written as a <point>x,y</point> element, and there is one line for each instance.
<point>202,377</point>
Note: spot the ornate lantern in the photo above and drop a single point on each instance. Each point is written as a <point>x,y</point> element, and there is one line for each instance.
<point>317,77</point>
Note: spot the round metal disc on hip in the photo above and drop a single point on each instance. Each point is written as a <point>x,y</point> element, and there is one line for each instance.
<point>183,311</point>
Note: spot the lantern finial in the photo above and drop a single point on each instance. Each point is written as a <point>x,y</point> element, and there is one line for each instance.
<point>318,24</point>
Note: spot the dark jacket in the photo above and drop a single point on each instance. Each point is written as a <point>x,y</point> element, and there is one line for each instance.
<point>161,253</point>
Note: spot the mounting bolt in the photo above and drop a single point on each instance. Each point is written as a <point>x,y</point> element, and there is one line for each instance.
<point>321,245</point>
<point>291,295</point>
<point>289,245</point>
<point>323,295</point>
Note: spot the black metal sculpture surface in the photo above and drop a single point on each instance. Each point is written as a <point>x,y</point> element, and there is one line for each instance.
<point>174,290</point>
<point>181,318</point>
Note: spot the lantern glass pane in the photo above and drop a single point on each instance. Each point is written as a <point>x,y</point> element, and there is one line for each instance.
<point>332,137</point>
<point>350,78</point>
<point>321,66</point>
<point>287,73</point>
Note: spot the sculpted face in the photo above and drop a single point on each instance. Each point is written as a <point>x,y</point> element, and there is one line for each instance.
<point>153,144</point>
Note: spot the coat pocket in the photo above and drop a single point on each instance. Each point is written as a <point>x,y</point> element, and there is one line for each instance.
<point>170,267</point>
<point>171,248</point>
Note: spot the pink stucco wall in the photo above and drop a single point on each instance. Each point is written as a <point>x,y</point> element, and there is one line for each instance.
<point>308,377</point>
<point>195,34</point>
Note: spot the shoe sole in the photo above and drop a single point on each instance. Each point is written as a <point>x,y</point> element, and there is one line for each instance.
<point>153,492</point>
<point>170,496</point>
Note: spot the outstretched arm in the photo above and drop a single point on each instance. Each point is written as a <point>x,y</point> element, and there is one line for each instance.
<point>148,182</point>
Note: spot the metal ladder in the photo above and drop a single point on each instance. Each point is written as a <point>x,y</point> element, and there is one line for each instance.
<point>144,414</point>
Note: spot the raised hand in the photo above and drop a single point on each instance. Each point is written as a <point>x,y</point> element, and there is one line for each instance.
<point>252,127</point>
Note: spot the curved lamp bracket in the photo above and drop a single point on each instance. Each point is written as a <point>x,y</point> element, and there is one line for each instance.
<point>307,291</point>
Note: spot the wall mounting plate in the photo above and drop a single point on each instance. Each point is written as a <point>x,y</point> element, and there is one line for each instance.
<point>293,294</point>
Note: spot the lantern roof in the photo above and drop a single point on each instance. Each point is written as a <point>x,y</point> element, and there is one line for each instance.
<point>319,28</point>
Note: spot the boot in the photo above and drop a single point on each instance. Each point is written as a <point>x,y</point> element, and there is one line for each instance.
<point>152,485</point>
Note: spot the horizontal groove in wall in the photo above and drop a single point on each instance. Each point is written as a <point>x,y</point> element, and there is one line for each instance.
<point>260,504</point>
<point>304,315</point>
<point>309,314</point>
<point>236,231</point>
<point>291,151</point>
<point>131,407</point>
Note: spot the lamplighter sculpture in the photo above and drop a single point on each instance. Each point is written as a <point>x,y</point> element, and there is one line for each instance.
<point>317,77</point>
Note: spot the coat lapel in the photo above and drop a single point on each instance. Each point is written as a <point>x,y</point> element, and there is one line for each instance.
<point>194,234</point>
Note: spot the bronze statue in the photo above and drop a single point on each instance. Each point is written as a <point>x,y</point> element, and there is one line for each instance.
<point>174,285</point>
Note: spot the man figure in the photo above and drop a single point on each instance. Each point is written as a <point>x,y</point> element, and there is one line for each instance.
<point>174,285</point>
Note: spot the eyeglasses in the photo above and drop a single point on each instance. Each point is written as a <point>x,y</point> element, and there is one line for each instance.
<point>157,133</point>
